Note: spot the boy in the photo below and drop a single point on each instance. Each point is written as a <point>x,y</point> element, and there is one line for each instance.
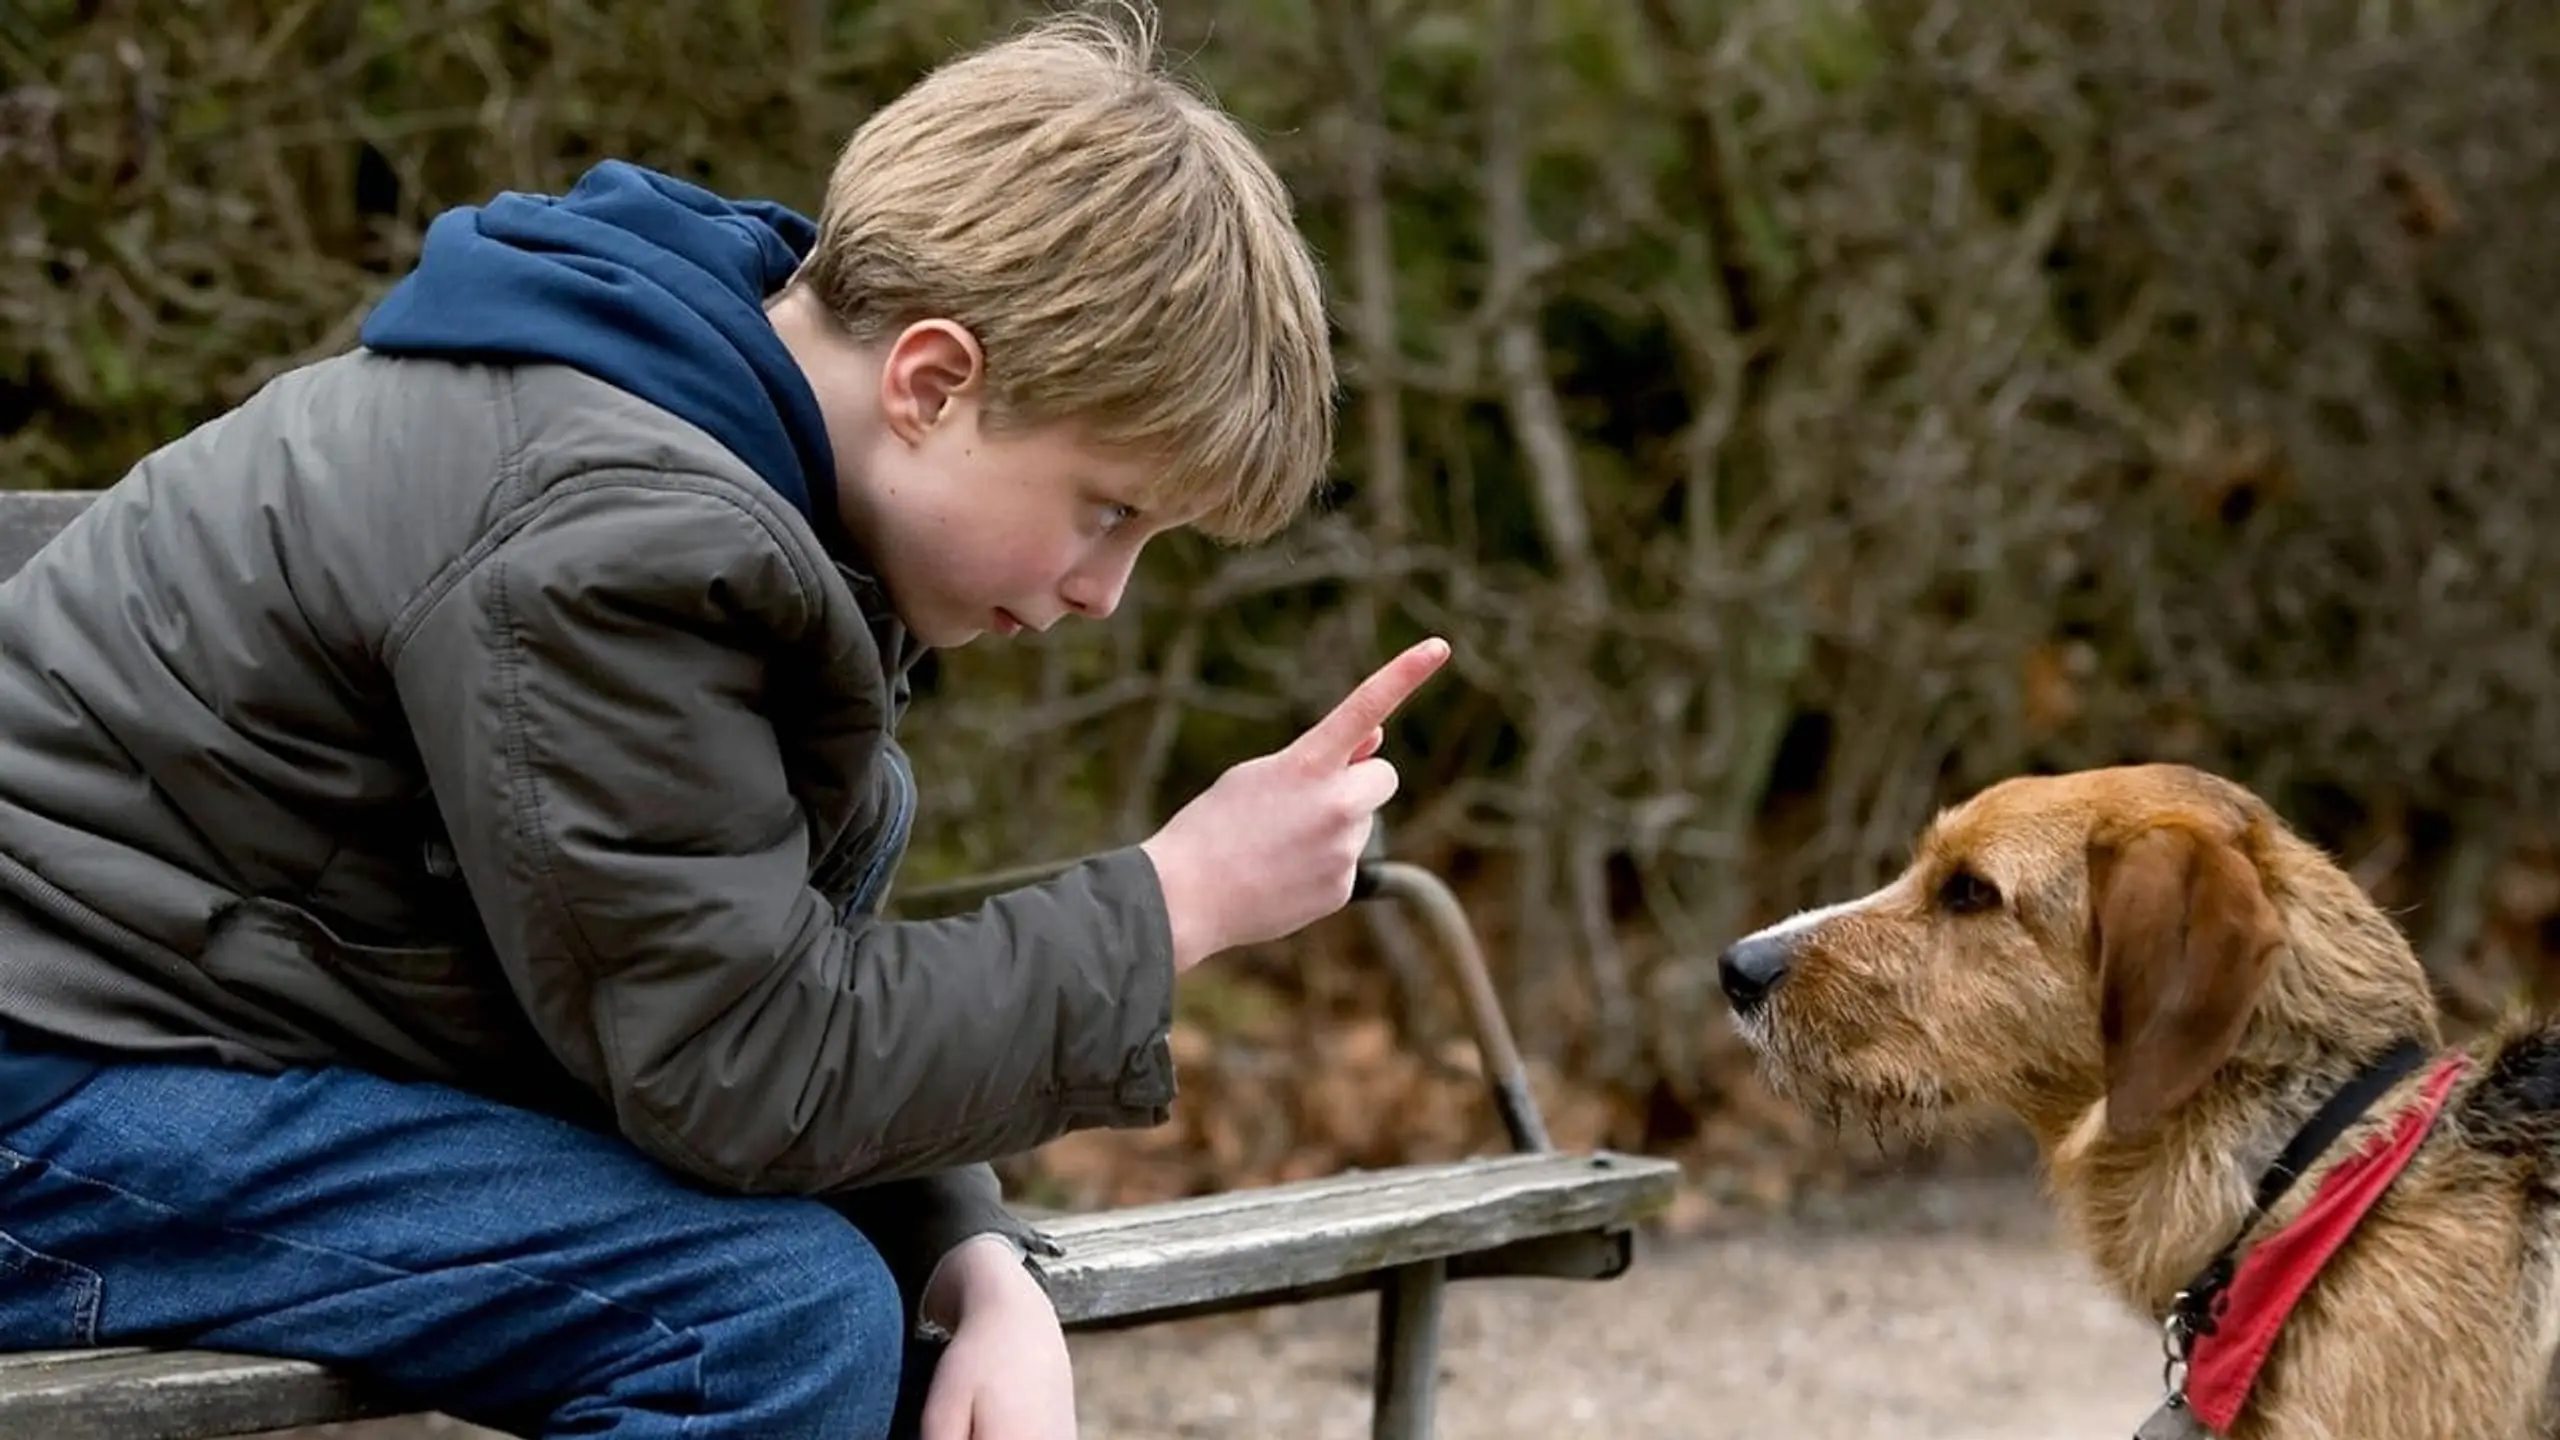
<point>443,802</point>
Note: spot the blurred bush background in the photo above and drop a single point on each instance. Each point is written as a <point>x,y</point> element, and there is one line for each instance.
<point>1798,413</point>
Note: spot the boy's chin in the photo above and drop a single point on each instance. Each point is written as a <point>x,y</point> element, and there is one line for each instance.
<point>954,637</point>
<point>947,632</point>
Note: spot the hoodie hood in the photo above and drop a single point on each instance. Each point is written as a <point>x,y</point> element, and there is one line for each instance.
<point>648,283</point>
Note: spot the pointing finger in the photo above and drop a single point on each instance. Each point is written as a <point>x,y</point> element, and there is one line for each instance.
<point>1336,739</point>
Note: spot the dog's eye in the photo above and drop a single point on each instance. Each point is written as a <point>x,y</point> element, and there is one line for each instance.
<point>1965,893</point>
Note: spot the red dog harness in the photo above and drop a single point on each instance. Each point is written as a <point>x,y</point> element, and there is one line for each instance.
<point>2221,1327</point>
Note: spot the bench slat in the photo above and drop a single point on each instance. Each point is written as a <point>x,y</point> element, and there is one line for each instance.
<point>125,1394</point>
<point>1120,1265</point>
<point>28,518</point>
<point>1183,1254</point>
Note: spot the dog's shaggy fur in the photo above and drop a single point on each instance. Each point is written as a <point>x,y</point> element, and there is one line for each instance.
<point>2163,982</point>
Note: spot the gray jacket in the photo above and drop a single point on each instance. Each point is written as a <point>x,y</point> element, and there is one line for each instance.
<point>486,724</point>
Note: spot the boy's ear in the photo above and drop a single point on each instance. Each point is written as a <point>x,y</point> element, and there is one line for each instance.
<point>930,364</point>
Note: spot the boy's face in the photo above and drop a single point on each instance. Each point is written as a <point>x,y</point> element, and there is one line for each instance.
<point>1005,532</point>
<point>974,530</point>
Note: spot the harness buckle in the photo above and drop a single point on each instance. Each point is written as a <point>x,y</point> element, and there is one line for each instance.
<point>2177,1342</point>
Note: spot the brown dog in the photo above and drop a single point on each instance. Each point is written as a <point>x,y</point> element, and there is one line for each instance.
<point>2189,1006</point>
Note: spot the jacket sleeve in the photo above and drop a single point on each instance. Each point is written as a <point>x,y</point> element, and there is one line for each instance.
<point>915,1223</point>
<point>588,699</point>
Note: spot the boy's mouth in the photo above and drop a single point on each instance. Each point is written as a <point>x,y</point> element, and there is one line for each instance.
<point>1007,623</point>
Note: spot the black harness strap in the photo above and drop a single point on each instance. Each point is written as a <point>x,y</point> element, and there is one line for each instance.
<point>2197,1308</point>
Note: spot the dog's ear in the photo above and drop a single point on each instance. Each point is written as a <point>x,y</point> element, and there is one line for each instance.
<point>2185,940</point>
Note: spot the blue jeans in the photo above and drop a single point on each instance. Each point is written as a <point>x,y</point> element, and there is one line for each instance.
<point>509,1269</point>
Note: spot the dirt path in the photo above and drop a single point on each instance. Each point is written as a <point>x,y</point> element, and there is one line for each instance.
<point>1921,1310</point>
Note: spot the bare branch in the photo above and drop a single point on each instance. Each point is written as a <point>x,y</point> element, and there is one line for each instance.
<point>1511,245</point>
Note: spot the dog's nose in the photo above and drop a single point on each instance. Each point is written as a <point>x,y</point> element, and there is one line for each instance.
<point>1752,967</point>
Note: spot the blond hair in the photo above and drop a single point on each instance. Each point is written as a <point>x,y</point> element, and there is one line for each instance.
<point>1127,259</point>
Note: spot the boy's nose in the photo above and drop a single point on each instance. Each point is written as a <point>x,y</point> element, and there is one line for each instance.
<point>1096,592</point>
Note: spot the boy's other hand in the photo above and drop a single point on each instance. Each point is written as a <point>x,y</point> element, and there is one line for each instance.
<point>1006,1374</point>
<point>1274,845</point>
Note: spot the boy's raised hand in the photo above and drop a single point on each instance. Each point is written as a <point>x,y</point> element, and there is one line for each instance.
<point>1274,844</point>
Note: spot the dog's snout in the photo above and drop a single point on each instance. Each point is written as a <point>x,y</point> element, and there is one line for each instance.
<point>1752,967</point>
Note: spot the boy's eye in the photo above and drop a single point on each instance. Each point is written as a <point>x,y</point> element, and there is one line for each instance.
<point>1115,515</point>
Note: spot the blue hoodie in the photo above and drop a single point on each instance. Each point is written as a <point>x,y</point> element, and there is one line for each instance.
<point>645,282</point>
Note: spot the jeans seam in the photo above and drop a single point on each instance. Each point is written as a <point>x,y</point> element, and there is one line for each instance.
<point>657,1326</point>
<point>93,1296</point>
<point>84,1312</point>
<point>91,1291</point>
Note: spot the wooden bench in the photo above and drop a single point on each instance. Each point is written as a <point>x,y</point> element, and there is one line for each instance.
<point>1402,1233</point>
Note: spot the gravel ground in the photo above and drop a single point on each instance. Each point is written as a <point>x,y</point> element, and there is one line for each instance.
<point>1935,1309</point>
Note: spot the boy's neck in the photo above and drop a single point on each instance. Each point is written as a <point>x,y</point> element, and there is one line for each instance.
<point>845,376</point>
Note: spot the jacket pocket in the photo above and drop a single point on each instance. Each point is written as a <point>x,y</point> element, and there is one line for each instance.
<point>431,1010</point>
<point>46,1302</point>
